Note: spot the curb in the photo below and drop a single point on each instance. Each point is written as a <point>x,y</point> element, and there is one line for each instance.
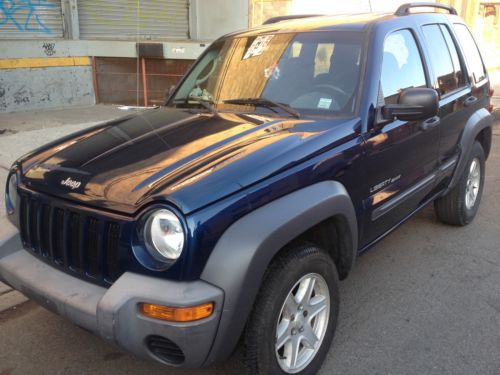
<point>496,116</point>
<point>11,299</point>
<point>4,288</point>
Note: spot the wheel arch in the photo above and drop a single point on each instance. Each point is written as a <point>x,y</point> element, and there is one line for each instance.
<point>478,127</point>
<point>243,253</point>
<point>484,137</point>
<point>332,235</point>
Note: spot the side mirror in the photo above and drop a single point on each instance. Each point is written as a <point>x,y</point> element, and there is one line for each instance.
<point>413,104</point>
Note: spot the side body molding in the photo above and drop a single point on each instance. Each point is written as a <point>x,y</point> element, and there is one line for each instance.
<point>480,120</point>
<point>243,253</point>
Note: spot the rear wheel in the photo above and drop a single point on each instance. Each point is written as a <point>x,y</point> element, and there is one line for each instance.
<point>293,321</point>
<point>460,205</point>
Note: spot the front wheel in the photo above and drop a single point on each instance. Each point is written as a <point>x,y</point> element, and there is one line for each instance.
<point>294,319</point>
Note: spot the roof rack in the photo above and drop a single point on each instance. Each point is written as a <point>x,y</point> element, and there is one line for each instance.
<point>290,17</point>
<point>404,9</point>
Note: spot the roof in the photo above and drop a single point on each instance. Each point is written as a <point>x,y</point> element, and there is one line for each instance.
<point>351,22</point>
<point>359,22</point>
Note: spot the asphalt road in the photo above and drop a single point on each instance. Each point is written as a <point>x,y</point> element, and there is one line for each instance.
<point>426,300</point>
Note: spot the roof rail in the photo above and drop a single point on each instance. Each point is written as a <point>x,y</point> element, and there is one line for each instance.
<point>404,9</point>
<point>290,17</point>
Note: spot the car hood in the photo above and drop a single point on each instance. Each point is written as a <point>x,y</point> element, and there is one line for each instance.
<point>189,159</point>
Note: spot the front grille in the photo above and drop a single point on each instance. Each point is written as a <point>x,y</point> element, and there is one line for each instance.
<point>165,349</point>
<point>75,241</point>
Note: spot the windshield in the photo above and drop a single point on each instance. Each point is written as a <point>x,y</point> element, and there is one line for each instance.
<point>315,73</point>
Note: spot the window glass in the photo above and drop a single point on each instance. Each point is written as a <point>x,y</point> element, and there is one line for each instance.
<point>314,72</point>
<point>459,74</point>
<point>323,58</point>
<point>471,52</point>
<point>441,59</point>
<point>402,65</point>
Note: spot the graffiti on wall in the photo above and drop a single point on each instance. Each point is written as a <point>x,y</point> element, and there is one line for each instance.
<point>49,49</point>
<point>25,15</point>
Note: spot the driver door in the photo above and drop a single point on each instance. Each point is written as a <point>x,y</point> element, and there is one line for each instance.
<point>403,155</point>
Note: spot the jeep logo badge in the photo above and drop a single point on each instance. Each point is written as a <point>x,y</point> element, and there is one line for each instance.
<point>71,183</point>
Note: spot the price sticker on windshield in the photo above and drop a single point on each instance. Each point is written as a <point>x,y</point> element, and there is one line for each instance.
<point>258,46</point>
<point>324,103</point>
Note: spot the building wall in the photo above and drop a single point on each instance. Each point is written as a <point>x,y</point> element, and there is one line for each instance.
<point>214,18</point>
<point>31,19</point>
<point>262,10</point>
<point>483,17</point>
<point>46,32</point>
<point>45,87</point>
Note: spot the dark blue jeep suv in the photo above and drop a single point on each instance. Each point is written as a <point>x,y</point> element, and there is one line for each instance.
<point>227,217</point>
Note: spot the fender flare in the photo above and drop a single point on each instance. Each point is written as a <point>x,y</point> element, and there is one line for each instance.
<point>241,256</point>
<point>480,120</point>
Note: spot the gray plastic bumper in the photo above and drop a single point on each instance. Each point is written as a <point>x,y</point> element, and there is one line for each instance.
<point>112,313</point>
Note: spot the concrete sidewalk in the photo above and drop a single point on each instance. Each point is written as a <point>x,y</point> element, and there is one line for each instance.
<point>36,120</point>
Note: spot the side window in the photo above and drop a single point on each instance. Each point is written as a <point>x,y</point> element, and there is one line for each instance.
<point>440,59</point>
<point>452,48</point>
<point>471,52</point>
<point>402,65</point>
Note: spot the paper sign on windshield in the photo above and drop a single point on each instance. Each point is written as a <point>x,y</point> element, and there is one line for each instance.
<point>258,46</point>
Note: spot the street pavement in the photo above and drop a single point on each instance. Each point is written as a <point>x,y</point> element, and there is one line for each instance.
<point>426,300</point>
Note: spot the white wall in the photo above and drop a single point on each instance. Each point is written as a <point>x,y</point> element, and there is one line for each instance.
<point>211,19</point>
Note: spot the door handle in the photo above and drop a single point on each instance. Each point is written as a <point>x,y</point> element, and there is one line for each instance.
<point>469,101</point>
<point>430,123</point>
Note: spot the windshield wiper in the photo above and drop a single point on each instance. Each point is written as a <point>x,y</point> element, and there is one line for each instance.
<point>205,103</point>
<point>263,102</point>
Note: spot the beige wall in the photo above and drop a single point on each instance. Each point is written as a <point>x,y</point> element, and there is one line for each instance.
<point>261,10</point>
<point>483,17</point>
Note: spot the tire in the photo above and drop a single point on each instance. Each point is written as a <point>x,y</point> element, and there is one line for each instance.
<point>455,208</point>
<point>290,272</point>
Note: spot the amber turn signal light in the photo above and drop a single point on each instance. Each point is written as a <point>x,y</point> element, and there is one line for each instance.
<point>176,314</point>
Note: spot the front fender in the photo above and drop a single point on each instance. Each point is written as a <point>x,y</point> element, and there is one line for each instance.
<point>243,253</point>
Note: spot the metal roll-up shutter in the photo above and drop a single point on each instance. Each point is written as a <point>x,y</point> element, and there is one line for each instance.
<point>121,19</point>
<point>31,19</point>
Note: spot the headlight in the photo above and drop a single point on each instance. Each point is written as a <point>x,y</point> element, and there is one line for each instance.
<point>11,193</point>
<point>164,235</point>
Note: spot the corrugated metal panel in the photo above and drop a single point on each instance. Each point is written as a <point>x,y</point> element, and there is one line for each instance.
<point>29,19</point>
<point>132,19</point>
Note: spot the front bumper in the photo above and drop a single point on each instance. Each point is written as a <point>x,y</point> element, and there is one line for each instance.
<point>113,313</point>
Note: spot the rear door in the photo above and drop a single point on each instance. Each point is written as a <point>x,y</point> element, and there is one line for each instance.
<point>477,82</point>
<point>401,157</point>
<point>456,103</point>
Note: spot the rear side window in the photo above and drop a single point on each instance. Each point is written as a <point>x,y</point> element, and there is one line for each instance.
<point>452,48</point>
<point>444,58</point>
<point>471,52</point>
<point>402,65</point>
